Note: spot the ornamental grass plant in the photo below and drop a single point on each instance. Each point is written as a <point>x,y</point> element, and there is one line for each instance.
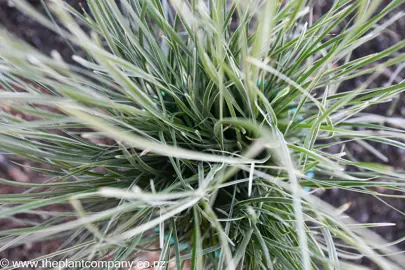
<point>201,129</point>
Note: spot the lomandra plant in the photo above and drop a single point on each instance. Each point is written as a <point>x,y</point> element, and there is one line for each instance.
<point>200,129</point>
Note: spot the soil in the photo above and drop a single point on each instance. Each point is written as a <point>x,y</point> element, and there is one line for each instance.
<point>364,208</point>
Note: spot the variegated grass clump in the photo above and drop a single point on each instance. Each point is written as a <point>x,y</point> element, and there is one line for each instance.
<point>201,126</point>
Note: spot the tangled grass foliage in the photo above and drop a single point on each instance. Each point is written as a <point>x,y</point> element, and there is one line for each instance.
<point>201,125</point>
